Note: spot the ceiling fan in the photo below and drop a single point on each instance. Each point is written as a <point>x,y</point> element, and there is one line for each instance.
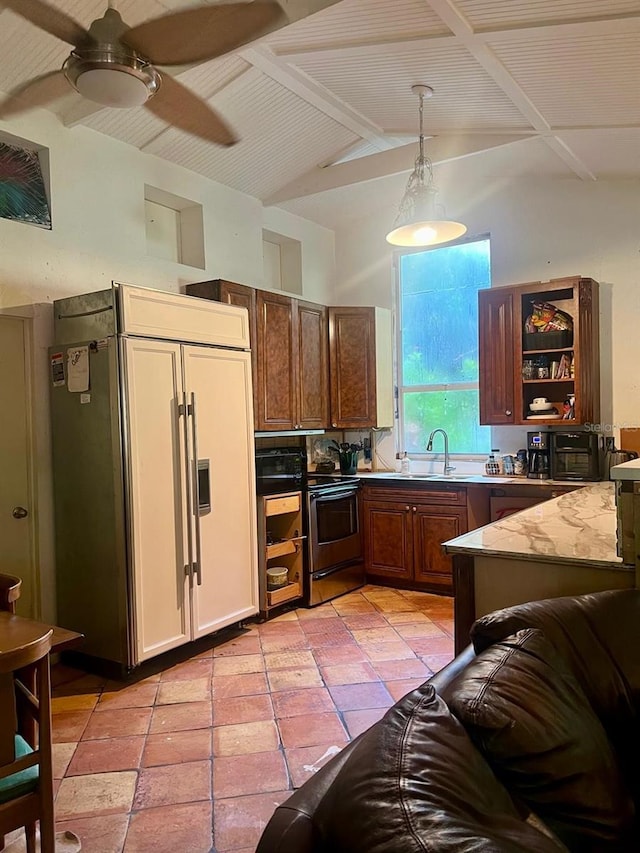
<point>114,64</point>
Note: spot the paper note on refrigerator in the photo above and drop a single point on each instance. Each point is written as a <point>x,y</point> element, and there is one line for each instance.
<point>78,368</point>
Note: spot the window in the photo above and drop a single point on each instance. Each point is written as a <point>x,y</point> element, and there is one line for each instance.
<point>437,312</point>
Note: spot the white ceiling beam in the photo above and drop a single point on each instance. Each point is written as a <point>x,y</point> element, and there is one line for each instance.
<point>483,54</point>
<point>261,57</point>
<point>511,131</point>
<point>383,164</point>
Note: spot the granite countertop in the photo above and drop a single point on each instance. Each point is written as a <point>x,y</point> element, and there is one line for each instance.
<point>578,527</point>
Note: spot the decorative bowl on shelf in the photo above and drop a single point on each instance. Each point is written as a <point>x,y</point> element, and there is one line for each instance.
<point>541,404</point>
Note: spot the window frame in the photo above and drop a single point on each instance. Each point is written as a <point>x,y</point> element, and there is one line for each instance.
<point>397,353</point>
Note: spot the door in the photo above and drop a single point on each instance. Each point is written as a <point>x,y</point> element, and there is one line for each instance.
<point>16,500</point>
<point>388,544</point>
<point>433,525</point>
<point>224,588</point>
<point>313,362</point>
<point>158,532</point>
<point>496,349</point>
<point>277,363</point>
<point>352,360</point>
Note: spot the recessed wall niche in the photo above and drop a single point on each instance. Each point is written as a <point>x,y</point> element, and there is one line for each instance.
<point>174,228</point>
<point>282,262</point>
<point>25,186</point>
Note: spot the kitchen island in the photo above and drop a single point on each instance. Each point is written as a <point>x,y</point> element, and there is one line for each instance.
<point>564,546</point>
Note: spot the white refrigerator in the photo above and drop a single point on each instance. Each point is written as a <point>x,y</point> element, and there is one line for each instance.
<point>153,471</point>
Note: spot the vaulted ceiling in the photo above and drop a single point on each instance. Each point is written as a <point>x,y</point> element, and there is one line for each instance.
<point>547,87</point>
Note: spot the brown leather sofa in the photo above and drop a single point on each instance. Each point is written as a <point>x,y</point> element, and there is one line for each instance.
<point>527,741</point>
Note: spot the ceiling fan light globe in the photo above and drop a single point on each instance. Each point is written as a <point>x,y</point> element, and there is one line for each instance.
<point>112,88</point>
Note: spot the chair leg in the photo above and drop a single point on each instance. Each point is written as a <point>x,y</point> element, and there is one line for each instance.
<point>47,836</point>
<point>30,834</point>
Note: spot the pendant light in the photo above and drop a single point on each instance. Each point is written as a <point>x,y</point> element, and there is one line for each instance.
<point>420,221</point>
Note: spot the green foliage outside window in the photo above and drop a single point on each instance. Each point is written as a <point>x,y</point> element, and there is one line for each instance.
<point>438,311</point>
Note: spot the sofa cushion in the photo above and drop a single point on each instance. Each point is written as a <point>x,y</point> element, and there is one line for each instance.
<point>414,783</point>
<point>597,634</point>
<point>533,723</point>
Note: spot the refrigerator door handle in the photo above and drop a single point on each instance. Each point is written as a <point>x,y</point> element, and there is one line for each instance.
<point>184,410</point>
<point>196,489</point>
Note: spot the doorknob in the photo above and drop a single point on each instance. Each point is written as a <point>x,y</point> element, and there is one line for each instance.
<point>20,512</point>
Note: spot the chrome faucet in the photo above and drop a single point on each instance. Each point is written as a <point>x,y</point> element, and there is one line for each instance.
<point>447,467</point>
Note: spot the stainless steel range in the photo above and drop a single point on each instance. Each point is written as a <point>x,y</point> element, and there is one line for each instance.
<point>334,562</point>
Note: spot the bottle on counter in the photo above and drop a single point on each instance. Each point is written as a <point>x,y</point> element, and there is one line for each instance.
<point>405,464</point>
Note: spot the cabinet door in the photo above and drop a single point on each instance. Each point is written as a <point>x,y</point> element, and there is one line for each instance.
<point>277,362</point>
<point>432,526</point>
<point>313,363</point>
<point>388,545</point>
<point>220,427</point>
<point>496,356</point>
<point>352,368</point>
<point>157,495</point>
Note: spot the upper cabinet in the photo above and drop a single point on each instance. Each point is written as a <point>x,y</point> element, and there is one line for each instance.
<point>496,356</point>
<point>360,359</point>
<point>313,367</point>
<point>292,377</point>
<point>540,340</point>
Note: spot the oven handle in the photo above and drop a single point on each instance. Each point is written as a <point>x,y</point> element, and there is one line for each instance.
<point>336,495</point>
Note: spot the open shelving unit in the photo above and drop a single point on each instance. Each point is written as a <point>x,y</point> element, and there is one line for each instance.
<point>505,392</point>
<point>565,296</point>
<point>280,543</point>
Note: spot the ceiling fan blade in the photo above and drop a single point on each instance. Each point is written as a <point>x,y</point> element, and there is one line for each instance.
<point>50,20</point>
<point>177,105</point>
<point>204,33</point>
<point>36,92</point>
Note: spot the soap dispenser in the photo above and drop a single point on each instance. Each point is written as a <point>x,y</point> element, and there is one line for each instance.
<point>405,464</point>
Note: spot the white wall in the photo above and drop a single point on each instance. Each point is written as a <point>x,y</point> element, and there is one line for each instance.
<point>540,229</point>
<point>98,235</point>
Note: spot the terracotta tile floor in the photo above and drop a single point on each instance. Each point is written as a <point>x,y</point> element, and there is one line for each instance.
<point>195,759</point>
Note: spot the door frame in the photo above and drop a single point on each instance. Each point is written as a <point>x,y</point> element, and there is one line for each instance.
<point>24,315</point>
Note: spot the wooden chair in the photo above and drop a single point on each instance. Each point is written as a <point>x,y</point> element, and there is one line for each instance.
<point>26,775</point>
<point>9,592</point>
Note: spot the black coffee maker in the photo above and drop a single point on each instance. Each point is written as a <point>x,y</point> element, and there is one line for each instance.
<point>538,455</point>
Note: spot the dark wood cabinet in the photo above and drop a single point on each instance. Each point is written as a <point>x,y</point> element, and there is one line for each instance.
<point>404,531</point>
<point>293,378</point>
<point>564,366</point>
<point>313,366</point>
<point>433,525</point>
<point>496,356</point>
<point>277,362</point>
<point>360,368</point>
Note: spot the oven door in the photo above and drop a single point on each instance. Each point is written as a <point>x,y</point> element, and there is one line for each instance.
<point>334,527</point>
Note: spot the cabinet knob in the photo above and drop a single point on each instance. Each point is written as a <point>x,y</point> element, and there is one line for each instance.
<point>415,509</point>
<point>407,508</point>
<point>508,412</point>
<point>334,424</point>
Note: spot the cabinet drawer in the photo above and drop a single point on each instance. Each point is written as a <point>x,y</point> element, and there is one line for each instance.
<point>446,496</point>
<point>282,504</point>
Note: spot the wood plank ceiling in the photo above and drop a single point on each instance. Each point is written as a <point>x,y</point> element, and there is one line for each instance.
<point>326,101</point>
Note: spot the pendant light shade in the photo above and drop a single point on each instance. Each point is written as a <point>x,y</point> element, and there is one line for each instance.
<point>420,220</point>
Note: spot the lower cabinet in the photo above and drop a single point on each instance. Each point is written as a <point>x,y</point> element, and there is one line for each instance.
<point>404,531</point>
<point>280,547</point>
